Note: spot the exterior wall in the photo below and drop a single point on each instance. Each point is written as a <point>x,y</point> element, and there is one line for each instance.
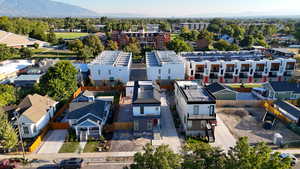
<point>167,72</point>
<point>148,110</point>
<point>109,72</point>
<point>129,91</point>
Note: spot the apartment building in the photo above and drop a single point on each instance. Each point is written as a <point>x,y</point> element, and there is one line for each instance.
<point>191,26</point>
<point>153,39</point>
<point>196,108</point>
<point>111,65</point>
<point>164,65</point>
<point>237,66</point>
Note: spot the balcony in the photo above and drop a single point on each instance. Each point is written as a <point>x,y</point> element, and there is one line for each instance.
<point>289,74</point>
<point>243,75</point>
<point>198,76</point>
<point>257,75</point>
<point>228,75</point>
<point>272,74</point>
<point>213,76</point>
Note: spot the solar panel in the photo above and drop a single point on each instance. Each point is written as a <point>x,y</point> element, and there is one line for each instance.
<point>117,58</point>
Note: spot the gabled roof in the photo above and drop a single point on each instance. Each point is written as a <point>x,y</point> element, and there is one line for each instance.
<point>216,87</point>
<point>34,107</point>
<point>285,86</point>
<point>78,110</point>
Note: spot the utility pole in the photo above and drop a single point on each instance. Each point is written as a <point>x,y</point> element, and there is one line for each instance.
<point>20,133</point>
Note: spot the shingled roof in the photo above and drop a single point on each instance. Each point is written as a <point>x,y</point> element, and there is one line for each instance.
<point>285,86</point>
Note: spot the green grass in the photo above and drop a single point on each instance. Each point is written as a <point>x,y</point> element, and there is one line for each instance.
<point>69,147</point>
<point>70,35</point>
<point>91,147</point>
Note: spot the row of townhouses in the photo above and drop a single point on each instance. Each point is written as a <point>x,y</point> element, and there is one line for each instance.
<point>208,67</point>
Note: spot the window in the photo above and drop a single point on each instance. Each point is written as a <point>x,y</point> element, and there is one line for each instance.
<point>34,129</point>
<point>157,108</point>
<point>136,125</point>
<point>184,119</point>
<point>189,124</point>
<point>25,130</point>
<point>109,72</point>
<point>169,71</point>
<point>99,72</point>
<point>159,71</point>
<point>149,124</point>
<point>212,110</point>
<point>142,110</point>
<point>169,77</point>
<point>196,110</point>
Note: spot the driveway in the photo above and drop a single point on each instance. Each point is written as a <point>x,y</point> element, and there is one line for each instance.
<point>224,139</point>
<point>168,131</point>
<point>53,141</point>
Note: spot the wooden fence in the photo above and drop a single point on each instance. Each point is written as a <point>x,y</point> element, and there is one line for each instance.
<point>59,126</point>
<point>118,126</point>
<point>239,103</point>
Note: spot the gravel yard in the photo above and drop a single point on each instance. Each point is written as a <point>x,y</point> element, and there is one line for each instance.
<point>247,122</point>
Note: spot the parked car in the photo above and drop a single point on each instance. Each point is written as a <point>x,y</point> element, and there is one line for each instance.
<point>72,163</point>
<point>287,155</point>
<point>7,164</point>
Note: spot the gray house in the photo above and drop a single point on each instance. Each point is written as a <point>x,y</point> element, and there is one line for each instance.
<point>222,92</point>
<point>88,118</point>
<point>279,90</point>
<point>26,80</point>
<point>146,108</point>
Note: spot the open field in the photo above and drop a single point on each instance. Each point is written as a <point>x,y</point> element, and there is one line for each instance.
<point>247,122</point>
<point>70,35</point>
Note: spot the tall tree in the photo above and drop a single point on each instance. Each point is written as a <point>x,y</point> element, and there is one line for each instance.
<point>112,45</point>
<point>8,134</point>
<point>156,158</point>
<point>7,95</point>
<point>179,45</point>
<point>248,41</point>
<point>26,52</point>
<point>94,43</point>
<point>60,81</point>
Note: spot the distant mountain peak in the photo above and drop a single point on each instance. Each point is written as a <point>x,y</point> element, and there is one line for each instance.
<point>42,8</point>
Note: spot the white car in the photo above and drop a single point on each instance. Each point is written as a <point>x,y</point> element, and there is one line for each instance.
<point>286,155</point>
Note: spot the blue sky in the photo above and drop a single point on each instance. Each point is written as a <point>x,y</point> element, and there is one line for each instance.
<point>191,7</point>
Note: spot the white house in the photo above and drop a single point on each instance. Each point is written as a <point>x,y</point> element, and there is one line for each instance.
<point>35,113</point>
<point>196,108</point>
<point>146,107</point>
<point>111,65</point>
<point>164,65</point>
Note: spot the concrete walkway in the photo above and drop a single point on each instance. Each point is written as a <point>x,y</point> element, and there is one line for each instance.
<point>168,130</point>
<point>224,139</point>
<point>54,140</point>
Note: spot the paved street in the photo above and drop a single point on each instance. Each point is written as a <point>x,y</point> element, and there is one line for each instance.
<point>224,139</point>
<point>54,140</point>
<point>168,130</point>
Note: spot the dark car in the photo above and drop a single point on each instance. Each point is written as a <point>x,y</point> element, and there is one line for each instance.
<point>72,163</point>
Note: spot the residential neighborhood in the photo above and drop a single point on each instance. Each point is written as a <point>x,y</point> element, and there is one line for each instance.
<point>86,90</point>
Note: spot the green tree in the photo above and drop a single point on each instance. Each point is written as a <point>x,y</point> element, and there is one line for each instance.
<point>8,135</point>
<point>52,37</point>
<point>7,95</point>
<point>214,28</point>
<point>60,81</point>
<point>239,32</point>
<point>221,45</point>
<point>297,31</point>
<point>179,45</point>
<point>161,157</point>
<point>7,52</point>
<point>112,45</point>
<point>134,48</point>
<point>36,45</point>
<point>248,41</point>
<point>233,47</point>
<point>228,30</point>
<point>26,52</point>
<point>85,53</point>
<point>204,34</point>
<point>165,26</point>
<point>75,45</point>
<point>94,43</point>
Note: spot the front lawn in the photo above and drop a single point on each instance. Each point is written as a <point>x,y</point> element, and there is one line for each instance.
<point>91,147</point>
<point>70,35</point>
<point>69,147</point>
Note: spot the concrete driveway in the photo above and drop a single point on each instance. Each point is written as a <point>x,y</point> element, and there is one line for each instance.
<point>168,130</point>
<point>53,141</point>
<point>224,139</point>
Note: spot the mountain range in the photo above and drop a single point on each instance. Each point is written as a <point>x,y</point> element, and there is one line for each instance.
<point>42,8</point>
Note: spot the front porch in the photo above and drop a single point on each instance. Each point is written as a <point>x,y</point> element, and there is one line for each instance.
<point>87,130</point>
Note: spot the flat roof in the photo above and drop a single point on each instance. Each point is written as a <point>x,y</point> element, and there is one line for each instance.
<point>11,66</point>
<point>222,55</point>
<point>28,77</point>
<point>115,58</point>
<point>158,58</point>
<point>144,93</point>
<point>195,93</point>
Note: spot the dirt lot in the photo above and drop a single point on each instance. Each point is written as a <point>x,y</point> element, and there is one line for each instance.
<point>124,141</point>
<point>247,122</point>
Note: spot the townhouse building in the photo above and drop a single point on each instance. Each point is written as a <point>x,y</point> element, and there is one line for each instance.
<point>196,108</point>
<point>191,26</point>
<point>152,39</point>
<point>237,66</point>
<point>164,65</point>
<point>111,65</point>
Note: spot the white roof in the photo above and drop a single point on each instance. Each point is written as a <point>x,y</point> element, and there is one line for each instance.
<point>11,66</point>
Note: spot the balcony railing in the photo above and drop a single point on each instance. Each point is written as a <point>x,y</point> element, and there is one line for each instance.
<point>202,116</point>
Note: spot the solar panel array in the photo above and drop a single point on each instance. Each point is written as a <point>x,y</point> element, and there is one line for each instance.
<point>196,94</point>
<point>116,58</point>
<point>222,55</point>
<point>158,58</point>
